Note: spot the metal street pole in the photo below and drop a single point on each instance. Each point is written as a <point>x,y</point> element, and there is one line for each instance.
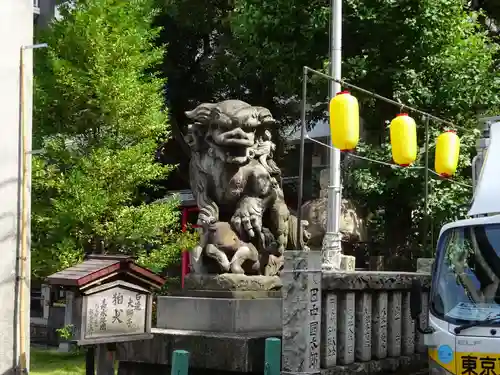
<point>425,231</point>
<point>22,288</point>
<point>332,241</point>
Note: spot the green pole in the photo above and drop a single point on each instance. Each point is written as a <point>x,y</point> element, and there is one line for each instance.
<point>180,362</point>
<point>272,365</point>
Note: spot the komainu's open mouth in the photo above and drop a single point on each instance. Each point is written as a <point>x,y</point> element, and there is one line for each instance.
<point>236,138</point>
<point>235,151</point>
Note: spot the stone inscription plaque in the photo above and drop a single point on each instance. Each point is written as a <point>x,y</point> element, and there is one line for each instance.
<point>314,309</point>
<point>346,329</point>
<point>330,313</point>
<point>115,312</point>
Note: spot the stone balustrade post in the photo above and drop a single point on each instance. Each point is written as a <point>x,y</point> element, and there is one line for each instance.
<point>379,326</point>
<point>424,321</point>
<point>363,327</point>
<point>301,292</point>
<point>329,332</point>
<point>409,331</point>
<point>394,318</point>
<point>346,334</point>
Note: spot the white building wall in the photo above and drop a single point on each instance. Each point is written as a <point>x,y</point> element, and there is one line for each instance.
<point>16,30</point>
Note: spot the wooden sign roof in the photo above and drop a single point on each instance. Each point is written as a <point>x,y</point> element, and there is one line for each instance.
<point>97,267</point>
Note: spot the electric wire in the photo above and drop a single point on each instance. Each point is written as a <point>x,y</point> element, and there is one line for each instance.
<point>426,117</point>
<point>394,166</point>
<point>402,106</point>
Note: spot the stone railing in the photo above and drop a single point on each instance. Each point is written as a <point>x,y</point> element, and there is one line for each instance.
<point>366,317</point>
<point>365,324</point>
<point>330,323</point>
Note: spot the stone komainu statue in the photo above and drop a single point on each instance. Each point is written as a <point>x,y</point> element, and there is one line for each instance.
<point>245,224</point>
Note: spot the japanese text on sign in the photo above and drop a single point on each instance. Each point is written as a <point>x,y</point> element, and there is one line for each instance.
<point>313,328</point>
<point>479,364</point>
<point>331,328</point>
<point>116,311</point>
<point>314,311</point>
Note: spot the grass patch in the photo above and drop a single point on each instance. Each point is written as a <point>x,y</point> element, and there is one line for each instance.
<point>50,362</point>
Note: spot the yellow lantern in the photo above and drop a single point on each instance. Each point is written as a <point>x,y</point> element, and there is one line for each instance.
<point>403,134</point>
<point>344,121</point>
<point>447,152</point>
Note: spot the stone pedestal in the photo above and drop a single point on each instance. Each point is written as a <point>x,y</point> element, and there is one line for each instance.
<point>229,315</point>
<point>223,303</point>
<point>209,353</point>
<point>221,320</point>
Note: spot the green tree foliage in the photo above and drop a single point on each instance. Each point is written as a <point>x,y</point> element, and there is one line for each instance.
<point>431,54</point>
<point>99,115</point>
<point>204,64</point>
<point>440,61</point>
<point>490,15</point>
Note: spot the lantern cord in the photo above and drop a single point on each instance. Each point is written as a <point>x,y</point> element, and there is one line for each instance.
<point>395,166</point>
<point>383,98</point>
<point>380,162</point>
<point>449,179</point>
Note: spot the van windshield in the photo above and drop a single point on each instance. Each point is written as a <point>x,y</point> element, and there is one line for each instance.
<point>465,286</point>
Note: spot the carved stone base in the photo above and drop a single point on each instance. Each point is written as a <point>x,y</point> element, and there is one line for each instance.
<point>224,315</point>
<point>227,303</point>
<point>231,283</point>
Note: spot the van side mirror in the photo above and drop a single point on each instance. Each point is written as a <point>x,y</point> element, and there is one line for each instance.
<point>416,299</point>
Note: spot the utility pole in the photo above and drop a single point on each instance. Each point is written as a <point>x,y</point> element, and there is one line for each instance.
<point>331,249</point>
<point>16,84</point>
